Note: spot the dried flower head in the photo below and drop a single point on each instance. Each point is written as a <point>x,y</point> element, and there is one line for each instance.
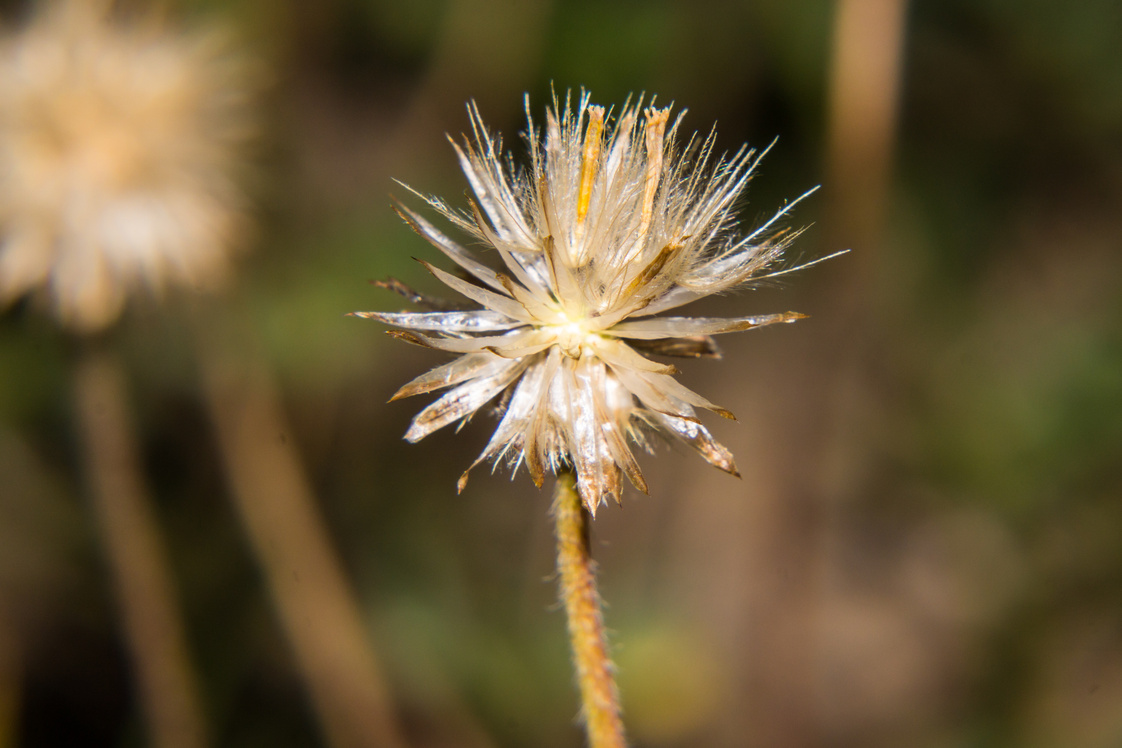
<point>610,226</point>
<point>117,142</point>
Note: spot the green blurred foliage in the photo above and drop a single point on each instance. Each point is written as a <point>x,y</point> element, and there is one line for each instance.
<point>977,539</point>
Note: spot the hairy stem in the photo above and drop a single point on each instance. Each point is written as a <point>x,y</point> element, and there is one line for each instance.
<point>577,572</point>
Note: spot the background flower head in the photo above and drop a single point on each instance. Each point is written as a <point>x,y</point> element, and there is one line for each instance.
<point>118,141</point>
<point>613,223</point>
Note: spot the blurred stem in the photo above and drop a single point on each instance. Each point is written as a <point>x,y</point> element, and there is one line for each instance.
<point>138,566</point>
<point>10,677</point>
<point>865,73</point>
<point>577,571</point>
<point>817,465</point>
<point>316,605</point>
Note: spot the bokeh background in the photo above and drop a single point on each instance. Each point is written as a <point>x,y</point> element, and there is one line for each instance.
<point>926,546</point>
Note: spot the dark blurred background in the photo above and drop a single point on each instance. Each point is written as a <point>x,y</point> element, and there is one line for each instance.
<point>925,546</point>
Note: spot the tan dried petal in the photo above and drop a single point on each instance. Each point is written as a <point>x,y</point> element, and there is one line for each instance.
<point>694,346</point>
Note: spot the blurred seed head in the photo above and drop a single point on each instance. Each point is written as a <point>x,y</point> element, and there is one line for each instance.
<point>612,224</point>
<point>120,143</point>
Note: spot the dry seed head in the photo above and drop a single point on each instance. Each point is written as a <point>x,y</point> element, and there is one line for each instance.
<point>608,228</point>
<point>119,139</point>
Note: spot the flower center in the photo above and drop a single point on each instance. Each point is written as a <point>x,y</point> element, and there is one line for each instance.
<point>572,336</point>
